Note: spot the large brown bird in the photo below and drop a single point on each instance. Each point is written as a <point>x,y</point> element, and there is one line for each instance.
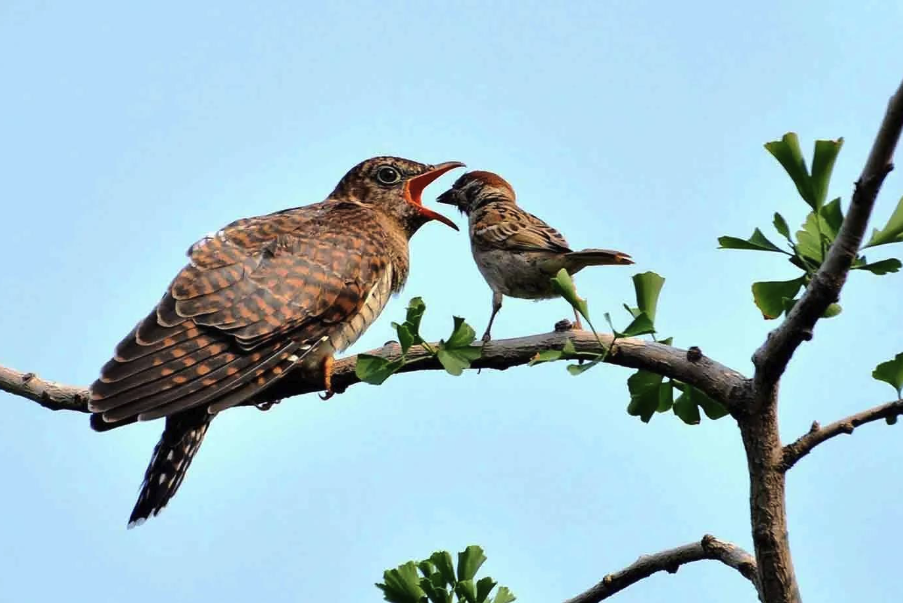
<point>261,296</point>
<point>516,252</point>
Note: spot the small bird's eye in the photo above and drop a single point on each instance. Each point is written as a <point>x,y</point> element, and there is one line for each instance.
<point>388,175</point>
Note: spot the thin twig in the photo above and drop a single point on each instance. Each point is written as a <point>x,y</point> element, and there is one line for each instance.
<point>817,434</point>
<point>670,561</point>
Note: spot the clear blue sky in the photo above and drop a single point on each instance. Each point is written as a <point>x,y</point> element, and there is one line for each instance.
<point>128,133</point>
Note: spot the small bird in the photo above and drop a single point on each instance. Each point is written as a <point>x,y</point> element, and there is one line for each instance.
<point>258,298</point>
<point>516,252</point>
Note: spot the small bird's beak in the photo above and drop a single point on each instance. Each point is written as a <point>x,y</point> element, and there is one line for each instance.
<point>413,188</point>
<point>449,197</point>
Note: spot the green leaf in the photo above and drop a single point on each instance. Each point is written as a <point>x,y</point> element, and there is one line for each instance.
<point>435,594</point>
<point>402,585</point>
<point>780,224</point>
<point>405,338</point>
<point>634,312</point>
<point>665,396</point>
<point>892,231</point>
<point>579,369</point>
<point>787,152</point>
<point>810,243</point>
<point>374,369</point>
<point>466,591</point>
<point>648,286</point>
<point>822,165</point>
<point>415,311</point>
<point>891,372</point>
<point>641,325</point>
<point>712,408</point>
<point>832,311</point>
<point>832,218</point>
<point>644,394</point>
<point>484,587</point>
<point>426,568</point>
<point>567,351</point>
<point>462,335</point>
<point>788,305</point>
<point>882,267</point>
<point>770,295</point>
<point>409,330</point>
<point>504,596</point>
<point>469,562</point>
<point>444,565</point>
<point>456,354</point>
<point>545,356</point>
<point>691,400</point>
<point>756,242</point>
<point>686,408</point>
<point>455,360</point>
<point>563,285</point>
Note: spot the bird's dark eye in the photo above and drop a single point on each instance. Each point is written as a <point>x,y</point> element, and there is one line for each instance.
<point>388,175</point>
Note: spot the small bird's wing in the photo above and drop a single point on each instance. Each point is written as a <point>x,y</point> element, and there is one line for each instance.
<point>254,299</point>
<point>507,227</point>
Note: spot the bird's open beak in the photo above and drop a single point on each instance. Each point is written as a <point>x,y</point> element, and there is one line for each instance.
<point>413,188</point>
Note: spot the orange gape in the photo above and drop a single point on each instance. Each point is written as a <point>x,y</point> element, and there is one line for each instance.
<point>262,296</point>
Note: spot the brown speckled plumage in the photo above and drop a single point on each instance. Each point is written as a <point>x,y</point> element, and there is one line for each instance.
<point>516,252</point>
<point>257,298</point>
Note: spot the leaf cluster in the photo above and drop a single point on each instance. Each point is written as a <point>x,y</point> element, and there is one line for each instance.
<point>650,393</point>
<point>455,354</point>
<point>437,580</point>
<point>807,248</point>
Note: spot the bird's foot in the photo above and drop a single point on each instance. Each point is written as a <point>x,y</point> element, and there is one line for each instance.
<point>328,364</point>
<point>486,337</point>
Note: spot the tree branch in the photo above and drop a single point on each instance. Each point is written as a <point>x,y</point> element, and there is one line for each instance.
<point>771,359</point>
<point>48,394</point>
<point>716,380</point>
<point>670,561</point>
<point>792,453</point>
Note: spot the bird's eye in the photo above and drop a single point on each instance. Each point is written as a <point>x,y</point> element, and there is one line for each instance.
<point>388,175</point>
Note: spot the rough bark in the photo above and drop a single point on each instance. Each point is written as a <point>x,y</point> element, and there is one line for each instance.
<point>670,561</point>
<point>716,380</point>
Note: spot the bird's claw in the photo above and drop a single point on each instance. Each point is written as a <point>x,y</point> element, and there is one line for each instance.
<point>328,364</point>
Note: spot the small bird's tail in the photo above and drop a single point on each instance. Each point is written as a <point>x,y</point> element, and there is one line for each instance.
<point>577,260</point>
<point>180,441</point>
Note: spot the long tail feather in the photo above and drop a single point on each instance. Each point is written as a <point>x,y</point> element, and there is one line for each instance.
<point>173,454</point>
